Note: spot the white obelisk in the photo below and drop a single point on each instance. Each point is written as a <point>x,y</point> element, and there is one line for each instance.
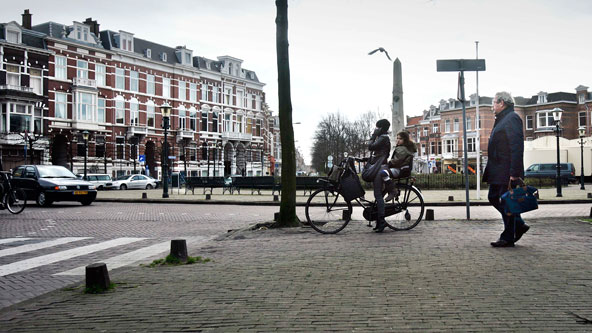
<point>398,118</point>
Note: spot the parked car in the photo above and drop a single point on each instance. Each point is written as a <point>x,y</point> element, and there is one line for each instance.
<point>102,181</point>
<point>155,180</point>
<point>549,170</point>
<point>46,184</point>
<point>134,181</point>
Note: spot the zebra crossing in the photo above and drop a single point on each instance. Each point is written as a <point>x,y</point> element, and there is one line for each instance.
<point>50,255</point>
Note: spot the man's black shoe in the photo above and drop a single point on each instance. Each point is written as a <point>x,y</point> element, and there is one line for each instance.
<point>521,231</point>
<point>502,243</point>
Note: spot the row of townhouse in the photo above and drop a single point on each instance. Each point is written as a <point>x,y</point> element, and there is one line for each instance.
<point>439,136</point>
<point>58,81</point>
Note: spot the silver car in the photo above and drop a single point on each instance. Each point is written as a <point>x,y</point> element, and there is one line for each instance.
<point>134,181</point>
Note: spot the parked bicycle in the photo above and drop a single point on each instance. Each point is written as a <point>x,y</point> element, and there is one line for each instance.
<point>329,209</point>
<point>14,199</point>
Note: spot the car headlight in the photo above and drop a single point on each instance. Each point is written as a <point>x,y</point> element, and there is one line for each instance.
<point>91,187</point>
<point>62,187</point>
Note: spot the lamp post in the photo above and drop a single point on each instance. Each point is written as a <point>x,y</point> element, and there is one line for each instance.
<point>557,117</point>
<point>85,137</point>
<point>165,109</point>
<point>582,131</point>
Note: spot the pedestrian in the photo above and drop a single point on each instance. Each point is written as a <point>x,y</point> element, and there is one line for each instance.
<point>380,146</point>
<point>505,165</point>
<point>400,163</point>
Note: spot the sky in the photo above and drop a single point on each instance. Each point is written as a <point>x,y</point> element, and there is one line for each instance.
<point>528,45</point>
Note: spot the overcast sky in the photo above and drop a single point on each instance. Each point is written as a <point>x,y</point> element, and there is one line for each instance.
<point>529,45</point>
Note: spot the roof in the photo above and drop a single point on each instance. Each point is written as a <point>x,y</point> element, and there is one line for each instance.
<point>28,37</point>
<point>553,97</point>
<point>412,121</point>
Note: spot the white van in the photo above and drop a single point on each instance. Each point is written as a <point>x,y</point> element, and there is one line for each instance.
<point>102,181</point>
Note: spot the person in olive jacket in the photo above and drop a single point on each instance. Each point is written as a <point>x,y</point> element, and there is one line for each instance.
<point>505,165</point>
<point>400,163</point>
<point>380,146</point>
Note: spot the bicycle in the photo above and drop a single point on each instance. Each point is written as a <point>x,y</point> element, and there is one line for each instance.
<point>328,211</point>
<point>14,199</point>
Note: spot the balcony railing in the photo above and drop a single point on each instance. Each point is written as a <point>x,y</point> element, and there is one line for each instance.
<point>237,136</point>
<point>82,82</point>
<point>137,130</point>
<point>18,88</point>
<point>449,155</point>
<point>184,134</point>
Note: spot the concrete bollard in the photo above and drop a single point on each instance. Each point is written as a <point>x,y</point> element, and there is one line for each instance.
<point>208,197</point>
<point>429,215</point>
<point>144,195</point>
<point>589,195</point>
<point>276,216</point>
<point>179,249</point>
<point>591,212</point>
<point>450,198</point>
<point>97,277</point>
<point>276,198</point>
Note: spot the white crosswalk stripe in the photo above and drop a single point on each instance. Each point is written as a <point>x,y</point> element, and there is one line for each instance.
<point>12,240</point>
<point>38,246</point>
<point>27,264</point>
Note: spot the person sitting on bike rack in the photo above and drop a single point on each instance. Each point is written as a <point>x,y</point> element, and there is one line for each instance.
<point>380,146</point>
<point>400,163</point>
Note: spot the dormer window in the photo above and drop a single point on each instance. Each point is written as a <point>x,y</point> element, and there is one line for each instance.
<point>126,41</point>
<point>163,56</point>
<point>542,98</point>
<point>80,32</point>
<point>13,33</point>
<point>184,56</point>
<point>148,53</point>
<point>582,98</point>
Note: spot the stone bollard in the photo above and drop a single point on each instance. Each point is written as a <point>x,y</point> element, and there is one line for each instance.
<point>429,215</point>
<point>589,195</point>
<point>276,198</point>
<point>276,216</point>
<point>450,198</point>
<point>591,212</point>
<point>144,195</point>
<point>208,197</point>
<point>179,249</point>
<point>97,277</point>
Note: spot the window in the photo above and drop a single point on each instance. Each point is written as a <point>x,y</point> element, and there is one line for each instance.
<point>215,94</point>
<point>432,148</point>
<point>182,119</point>
<point>239,99</point>
<point>249,125</point>
<point>227,96</point>
<point>193,92</point>
<point>119,78</point>
<point>450,146</point>
<point>61,105</point>
<point>469,124</point>
<point>100,75</point>
<point>20,118</point>
<point>134,81</point>
<point>81,69</point>
<point>439,147</point>
<point>85,107</point>
<point>148,53</point>
<point>456,125</point>
<point>182,94</point>
<point>204,121</point>
<point>187,59</point>
<point>120,143</point>
<point>13,36</point>
<point>119,110</point>
<point>61,68</point>
<point>101,110</point>
<point>150,114</point>
<point>163,56</point>
<point>582,119</point>
<point>192,119</point>
<point>227,123</point>
<point>166,88</point>
<point>471,147</point>
<point>150,84</point>
<point>435,128</point>
<point>545,119</point>
<point>214,122</point>
<point>239,123</point>
<point>447,126</point>
<point>542,99</point>
<point>35,81</point>
<point>204,92</point>
<point>100,148</point>
<point>425,131</point>
<point>423,149</point>
<point>13,75</point>
<point>582,98</point>
<point>529,122</point>
<point>258,128</point>
<point>134,113</point>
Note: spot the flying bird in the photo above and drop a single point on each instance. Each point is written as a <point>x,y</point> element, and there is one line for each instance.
<point>381,49</point>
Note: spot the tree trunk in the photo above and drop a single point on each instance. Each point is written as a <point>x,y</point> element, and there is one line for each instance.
<point>288,204</point>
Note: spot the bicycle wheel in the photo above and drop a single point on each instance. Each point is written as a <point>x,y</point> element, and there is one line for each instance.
<point>406,210</point>
<point>15,200</point>
<point>327,211</point>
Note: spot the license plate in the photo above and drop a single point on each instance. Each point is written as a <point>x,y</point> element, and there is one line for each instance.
<point>80,192</point>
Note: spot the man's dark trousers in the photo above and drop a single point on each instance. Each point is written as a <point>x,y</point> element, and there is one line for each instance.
<point>495,193</point>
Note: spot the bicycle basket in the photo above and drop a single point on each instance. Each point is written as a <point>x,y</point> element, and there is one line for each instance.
<point>335,173</point>
<point>351,188</point>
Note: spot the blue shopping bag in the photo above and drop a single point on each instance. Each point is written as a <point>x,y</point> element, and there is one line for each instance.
<point>520,200</point>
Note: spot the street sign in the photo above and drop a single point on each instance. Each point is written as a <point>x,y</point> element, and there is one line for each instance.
<point>142,158</point>
<point>172,157</point>
<point>329,158</point>
<point>457,65</point>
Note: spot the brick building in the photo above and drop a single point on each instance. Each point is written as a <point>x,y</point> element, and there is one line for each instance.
<point>111,84</point>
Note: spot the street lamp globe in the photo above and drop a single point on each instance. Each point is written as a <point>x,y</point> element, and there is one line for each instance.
<point>165,109</point>
<point>582,132</point>
<point>85,135</point>
<point>557,114</point>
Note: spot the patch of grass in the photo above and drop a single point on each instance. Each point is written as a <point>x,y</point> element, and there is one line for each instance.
<point>587,220</point>
<point>97,290</point>
<point>174,261</point>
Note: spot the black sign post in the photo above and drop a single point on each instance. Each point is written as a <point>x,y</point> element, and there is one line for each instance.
<point>462,66</point>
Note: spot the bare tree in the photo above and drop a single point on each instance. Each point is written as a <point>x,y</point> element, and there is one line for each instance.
<point>287,216</point>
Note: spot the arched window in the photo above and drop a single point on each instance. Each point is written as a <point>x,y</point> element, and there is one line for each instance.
<point>119,110</point>
<point>192,119</point>
<point>215,121</point>
<point>134,113</point>
<point>150,114</point>
<point>182,118</point>
<point>204,120</point>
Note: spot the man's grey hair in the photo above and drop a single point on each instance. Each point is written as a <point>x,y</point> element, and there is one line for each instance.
<point>505,97</point>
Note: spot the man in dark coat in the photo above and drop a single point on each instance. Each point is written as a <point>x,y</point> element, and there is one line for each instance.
<point>380,146</point>
<point>505,165</point>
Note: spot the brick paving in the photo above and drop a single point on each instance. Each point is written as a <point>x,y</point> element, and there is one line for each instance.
<point>440,276</point>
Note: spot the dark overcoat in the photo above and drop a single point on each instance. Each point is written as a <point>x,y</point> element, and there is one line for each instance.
<point>505,151</point>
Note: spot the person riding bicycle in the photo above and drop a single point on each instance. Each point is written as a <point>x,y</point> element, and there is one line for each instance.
<point>380,146</point>
<point>399,163</point>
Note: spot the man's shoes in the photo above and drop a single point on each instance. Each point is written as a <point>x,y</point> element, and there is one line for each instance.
<point>392,190</point>
<point>521,231</point>
<point>502,243</point>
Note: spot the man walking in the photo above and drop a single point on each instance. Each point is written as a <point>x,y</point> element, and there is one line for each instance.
<point>505,165</point>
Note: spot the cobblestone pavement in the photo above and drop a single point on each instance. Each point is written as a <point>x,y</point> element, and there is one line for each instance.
<point>442,275</point>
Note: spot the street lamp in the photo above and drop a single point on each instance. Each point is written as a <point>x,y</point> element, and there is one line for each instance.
<point>165,109</point>
<point>582,131</point>
<point>557,117</point>
<point>85,137</point>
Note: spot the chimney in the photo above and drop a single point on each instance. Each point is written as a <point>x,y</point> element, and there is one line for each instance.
<point>94,26</point>
<point>27,19</point>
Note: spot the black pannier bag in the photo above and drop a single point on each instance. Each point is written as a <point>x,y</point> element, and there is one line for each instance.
<point>351,188</point>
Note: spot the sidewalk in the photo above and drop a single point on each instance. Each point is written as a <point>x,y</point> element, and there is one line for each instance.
<point>571,194</point>
<point>440,276</point>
